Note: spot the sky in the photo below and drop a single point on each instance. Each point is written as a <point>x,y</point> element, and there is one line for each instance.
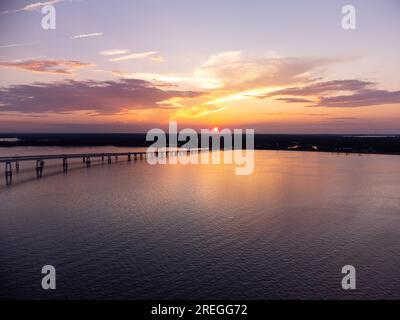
<point>132,65</point>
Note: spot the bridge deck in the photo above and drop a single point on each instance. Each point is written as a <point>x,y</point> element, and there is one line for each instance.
<point>90,155</point>
<point>66,156</point>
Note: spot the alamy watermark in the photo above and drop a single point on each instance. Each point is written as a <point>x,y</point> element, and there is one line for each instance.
<point>49,280</point>
<point>349,17</point>
<point>49,20</point>
<point>348,21</point>
<point>349,280</point>
<point>234,150</point>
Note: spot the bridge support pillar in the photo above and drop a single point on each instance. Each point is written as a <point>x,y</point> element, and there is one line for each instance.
<point>109,159</point>
<point>102,157</point>
<point>129,157</point>
<point>8,173</point>
<point>8,169</point>
<point>39,168</point>
<point>65,164</point>
<point>87,162</point>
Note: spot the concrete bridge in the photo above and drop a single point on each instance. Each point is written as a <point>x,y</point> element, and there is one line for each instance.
<point>86,158</point>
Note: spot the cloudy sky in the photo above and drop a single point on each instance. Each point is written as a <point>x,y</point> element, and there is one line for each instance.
<point>131,65</point>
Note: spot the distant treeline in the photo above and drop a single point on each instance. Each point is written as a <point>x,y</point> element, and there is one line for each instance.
<point>328,143</point>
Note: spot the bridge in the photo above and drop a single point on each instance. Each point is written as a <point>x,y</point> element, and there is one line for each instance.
<point>86,158</point>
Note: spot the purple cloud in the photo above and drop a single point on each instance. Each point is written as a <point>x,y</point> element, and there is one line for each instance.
<point>324,87</point>
<point>363,94</point>
<point>361,99</point>
<point>100,97</point>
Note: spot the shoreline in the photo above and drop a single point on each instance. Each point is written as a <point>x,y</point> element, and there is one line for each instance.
<point>255,149</point>
<point>347,144</point>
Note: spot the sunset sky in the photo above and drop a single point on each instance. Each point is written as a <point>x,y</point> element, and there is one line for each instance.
<point>129,66</point>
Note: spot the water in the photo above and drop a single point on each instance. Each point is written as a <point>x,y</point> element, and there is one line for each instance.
<point>136,231</point>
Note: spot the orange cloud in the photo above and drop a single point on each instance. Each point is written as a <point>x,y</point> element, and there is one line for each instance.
<point>65,67</point>
<point>152,55</point>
